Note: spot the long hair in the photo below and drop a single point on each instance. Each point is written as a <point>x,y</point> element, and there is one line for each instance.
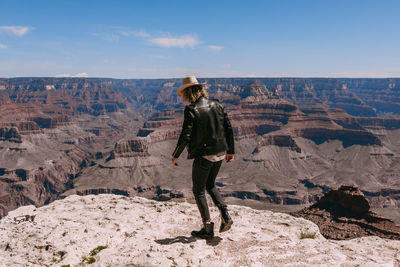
<point>192,93</point>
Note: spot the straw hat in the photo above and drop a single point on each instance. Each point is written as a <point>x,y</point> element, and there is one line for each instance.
<point>187,82</point>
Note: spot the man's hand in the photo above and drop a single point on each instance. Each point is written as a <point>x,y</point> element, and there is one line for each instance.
<point>175,161</point>
<point>229,157</point>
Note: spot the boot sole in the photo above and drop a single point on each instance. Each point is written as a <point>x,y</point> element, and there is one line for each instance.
<point>202,236</point>
<point>226,226</point>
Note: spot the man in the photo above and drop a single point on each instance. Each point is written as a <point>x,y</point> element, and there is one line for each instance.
<point>207,134</point>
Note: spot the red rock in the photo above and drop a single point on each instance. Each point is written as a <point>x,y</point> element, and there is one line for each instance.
<point>348,197</point>
<point>344,214</point>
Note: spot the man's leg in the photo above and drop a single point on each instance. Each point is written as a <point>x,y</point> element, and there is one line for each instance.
<point>200,173</point>
<point>226,220</point>
<point>210,185</point>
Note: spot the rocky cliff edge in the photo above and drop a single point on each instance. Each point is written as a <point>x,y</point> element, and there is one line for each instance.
<point>110,230</point>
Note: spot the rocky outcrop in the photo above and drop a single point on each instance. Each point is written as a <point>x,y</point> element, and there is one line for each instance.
<point>130,148</point>
<point>344,214</point>
<point>347,197</point>
<point>25,127</point>
<point>41,185</point>
<point>112,230</point>
<point>278,140</point>
<point>51,122</point>
<point>347,136</point>
<point>10,134</point>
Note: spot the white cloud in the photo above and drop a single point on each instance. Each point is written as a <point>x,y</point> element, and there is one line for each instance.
<point>3,46</point>
<point>15,30</point>
<point>78,75</point>
<point>62,75</point>
<point>254,75</point>
<point>186,40</point>
<point>215,48</point>
<point>115,33</point>
<point>81,75</point>
<point>141,33</point>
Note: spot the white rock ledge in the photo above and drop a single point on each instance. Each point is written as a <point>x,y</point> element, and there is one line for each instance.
<point>141,232</point>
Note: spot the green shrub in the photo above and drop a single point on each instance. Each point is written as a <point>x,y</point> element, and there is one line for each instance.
<point>97,250</point>
<point>89,260</point>
<point>304,235</point>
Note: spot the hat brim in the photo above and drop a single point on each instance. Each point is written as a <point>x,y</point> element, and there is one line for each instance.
<point>179,92</point>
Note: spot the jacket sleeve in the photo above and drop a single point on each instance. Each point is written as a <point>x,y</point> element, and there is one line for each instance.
<point>229,135</point>
<point>186,133</point>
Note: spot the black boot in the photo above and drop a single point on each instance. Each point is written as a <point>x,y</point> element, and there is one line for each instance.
<point>206,232</point>
<point>226,220</point>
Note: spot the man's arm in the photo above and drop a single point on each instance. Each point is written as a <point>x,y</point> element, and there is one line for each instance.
<point>185,136</point>
<point>229,135</point>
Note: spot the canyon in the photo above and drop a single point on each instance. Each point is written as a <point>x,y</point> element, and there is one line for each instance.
<point>296,138</point>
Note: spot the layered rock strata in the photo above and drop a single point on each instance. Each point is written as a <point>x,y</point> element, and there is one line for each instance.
<point>288,130</point>
<point>272,124</point>
<point>49,134</point>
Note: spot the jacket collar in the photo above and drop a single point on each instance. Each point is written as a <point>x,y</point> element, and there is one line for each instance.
<point>198,100</point>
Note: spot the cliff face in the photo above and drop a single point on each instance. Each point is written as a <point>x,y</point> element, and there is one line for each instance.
<point>48,134</point>
<point>40,184</point>
<point>359,97</point>
<point>10,134</point>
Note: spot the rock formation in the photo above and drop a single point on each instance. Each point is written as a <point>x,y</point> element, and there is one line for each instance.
<point>345,214</point>
<point>48,134</point>
<point>111,230</point>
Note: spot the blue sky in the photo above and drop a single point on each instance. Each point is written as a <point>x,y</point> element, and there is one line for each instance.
<point>166,38</point>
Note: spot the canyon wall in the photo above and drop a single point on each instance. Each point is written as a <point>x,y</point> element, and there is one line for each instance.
<point>296,138</point>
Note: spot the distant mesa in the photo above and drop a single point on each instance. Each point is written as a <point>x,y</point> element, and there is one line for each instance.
<point>256,91</point>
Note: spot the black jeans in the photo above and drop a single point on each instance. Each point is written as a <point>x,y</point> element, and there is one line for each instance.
<point>204,173</point>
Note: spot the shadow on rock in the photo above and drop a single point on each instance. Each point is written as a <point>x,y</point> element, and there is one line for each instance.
<point>178,239</point>
<point>214,241</point>
<point>185,240</point>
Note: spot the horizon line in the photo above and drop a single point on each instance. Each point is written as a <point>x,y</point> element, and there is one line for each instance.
<point>175,78</point>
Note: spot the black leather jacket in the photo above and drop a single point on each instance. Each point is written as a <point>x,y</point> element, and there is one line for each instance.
<point>206,130</point>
